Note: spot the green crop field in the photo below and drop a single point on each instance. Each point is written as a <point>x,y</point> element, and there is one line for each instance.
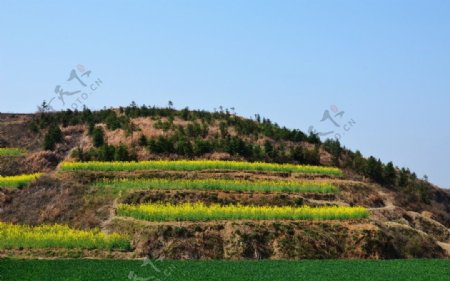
<point>11,151</point>
<point>335,270</point>
<point>221,184</point>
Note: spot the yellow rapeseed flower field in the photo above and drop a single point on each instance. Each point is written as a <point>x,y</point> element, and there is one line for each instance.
<point>201,212</point>
<point>58,236</point>
<point>18,181</point>
<point>191,165</point>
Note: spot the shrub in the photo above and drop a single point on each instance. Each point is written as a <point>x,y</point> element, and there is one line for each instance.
<point>143,140</point>
<point>121,153</point>
<point>53,136</point>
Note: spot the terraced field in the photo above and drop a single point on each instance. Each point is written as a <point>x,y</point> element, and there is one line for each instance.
<point>201,212</point>
<point>195,165</point>
<point>221,184</point>
<point>18,181</point>
<point>58,236</point>
<point>208,210</point>
<point>208,194</point>
<point>11,151</point>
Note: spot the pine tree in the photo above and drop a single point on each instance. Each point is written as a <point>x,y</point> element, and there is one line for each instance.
<point>359,163</point>
<point>375,169</point>
<point>334,148</point>
<point>98,137</point>
<point>389,174</point>
<point>298,154</point>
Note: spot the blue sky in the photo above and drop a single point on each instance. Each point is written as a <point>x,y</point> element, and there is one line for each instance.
<point>385,63</point>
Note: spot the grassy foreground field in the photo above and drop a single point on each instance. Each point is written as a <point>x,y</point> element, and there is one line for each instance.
<point>43,270</point>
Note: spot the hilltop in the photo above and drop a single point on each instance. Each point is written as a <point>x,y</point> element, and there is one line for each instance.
<point>407,216</point>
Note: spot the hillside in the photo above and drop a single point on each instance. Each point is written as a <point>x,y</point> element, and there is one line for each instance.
<point>401,216</point>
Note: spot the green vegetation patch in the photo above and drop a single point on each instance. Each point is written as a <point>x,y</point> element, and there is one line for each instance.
<point>335,270</point>
<point>12,152</point>
<point>221,184</point>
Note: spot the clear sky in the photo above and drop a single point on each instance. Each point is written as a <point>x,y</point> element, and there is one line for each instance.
<point>386,64</point>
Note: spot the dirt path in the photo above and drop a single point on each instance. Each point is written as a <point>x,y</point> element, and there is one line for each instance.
<point>445,246</point>
<point>112,215</point>
<point>388,202</point>
<point>325,202</point>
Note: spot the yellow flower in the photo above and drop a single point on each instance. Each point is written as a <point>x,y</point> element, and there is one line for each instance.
<point>18,181</point>
<point>199,212</point>
<point>58,236</point>
<point>190,165</point>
